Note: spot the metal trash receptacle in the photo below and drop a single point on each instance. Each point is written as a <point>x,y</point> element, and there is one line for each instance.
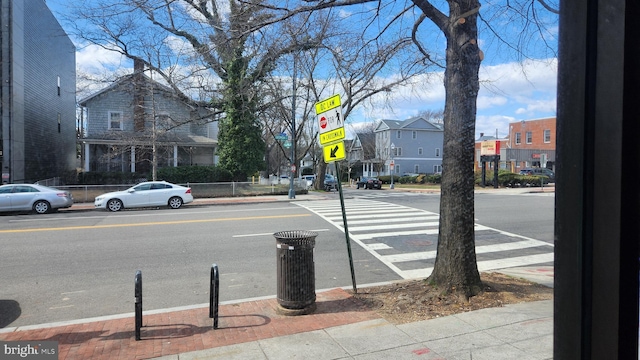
<point>296,270</point>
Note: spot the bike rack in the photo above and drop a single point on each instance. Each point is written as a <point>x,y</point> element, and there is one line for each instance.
<point>138,302</point>
<point>214,299</point>
<point>214,295</point>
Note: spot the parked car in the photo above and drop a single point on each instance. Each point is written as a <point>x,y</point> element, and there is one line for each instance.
<point>309,180</point>
<point>330,182</point>
<point>539,172</point>
<point>146,194</point>
<point>369,183</point>
<point>32,197</point>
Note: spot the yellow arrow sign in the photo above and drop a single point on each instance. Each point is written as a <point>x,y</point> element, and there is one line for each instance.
<point>334,152</point>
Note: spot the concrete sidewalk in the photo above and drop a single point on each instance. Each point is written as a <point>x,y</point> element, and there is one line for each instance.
<point>340,328</point>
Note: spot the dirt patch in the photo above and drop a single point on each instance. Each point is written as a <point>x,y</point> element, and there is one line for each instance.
<point>415,300</point>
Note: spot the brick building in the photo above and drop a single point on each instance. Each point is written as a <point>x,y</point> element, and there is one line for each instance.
<point>37,95</point>
<point>530,143</point>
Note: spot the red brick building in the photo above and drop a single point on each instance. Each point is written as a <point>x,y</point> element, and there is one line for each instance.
<point>530,143</point>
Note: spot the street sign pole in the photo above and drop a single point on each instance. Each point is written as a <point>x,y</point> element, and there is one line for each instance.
<point>331,134</point>
<point>346,229</point>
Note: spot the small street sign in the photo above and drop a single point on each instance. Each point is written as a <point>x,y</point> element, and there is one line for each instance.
<point>281,136</point>
<point>287,144</point>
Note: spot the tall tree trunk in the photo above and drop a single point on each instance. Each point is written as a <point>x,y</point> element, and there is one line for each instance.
<point>455,266</point>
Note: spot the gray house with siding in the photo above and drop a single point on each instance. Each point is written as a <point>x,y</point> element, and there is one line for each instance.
<point>414,145</point>
<point>37,94</point>
<point>134,115</point>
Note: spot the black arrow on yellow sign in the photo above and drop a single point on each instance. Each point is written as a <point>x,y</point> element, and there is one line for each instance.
<point>333,151</point>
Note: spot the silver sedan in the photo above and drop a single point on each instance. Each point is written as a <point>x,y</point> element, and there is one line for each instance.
<point>32,197</point>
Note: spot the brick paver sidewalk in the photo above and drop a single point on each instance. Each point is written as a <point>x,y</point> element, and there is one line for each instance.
<point>189,330</point>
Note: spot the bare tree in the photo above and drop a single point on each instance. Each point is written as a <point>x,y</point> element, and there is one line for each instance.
<point>352,66</point>
<point>455,267</point>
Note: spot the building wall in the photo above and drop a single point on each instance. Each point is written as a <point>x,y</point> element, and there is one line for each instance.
<point>42,122</point>
<point>536,127</point>
<point>429,141</point>
<point>121,99</point>
<point>517,156</point>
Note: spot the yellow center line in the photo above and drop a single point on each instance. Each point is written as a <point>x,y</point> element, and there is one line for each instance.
<point>149,223</point>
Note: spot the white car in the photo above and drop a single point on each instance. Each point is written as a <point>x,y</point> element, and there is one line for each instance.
<point>146,194</point>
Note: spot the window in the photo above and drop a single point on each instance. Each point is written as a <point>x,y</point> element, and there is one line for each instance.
<point>397,151</point>
<point>437,169</point>
<point>420,151</point>
<point>164,121</point>
<point>437,152</point>
<point>58,85</point>
<point>416,169</point>
<point>414,134</point>
<point>59,123</point>
<point>529,137</point>
<point>547,136</point>
<point>115,120</point>
<point>398,134</point>
<point>518,138</point>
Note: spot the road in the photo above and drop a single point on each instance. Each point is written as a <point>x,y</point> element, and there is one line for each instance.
<point>73,265</point>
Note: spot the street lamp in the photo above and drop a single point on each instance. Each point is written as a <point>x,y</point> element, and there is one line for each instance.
<point>391,165</point>
<point>292,191</point>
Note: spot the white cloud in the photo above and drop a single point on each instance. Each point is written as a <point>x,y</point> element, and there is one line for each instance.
<point>95,59</point>
<point>536,106</point>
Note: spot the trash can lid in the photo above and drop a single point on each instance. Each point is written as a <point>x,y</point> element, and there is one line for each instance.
<point>295,234</point>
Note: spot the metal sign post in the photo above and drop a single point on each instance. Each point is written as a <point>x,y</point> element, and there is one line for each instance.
<point>346,231</point>
<point>331,134</point>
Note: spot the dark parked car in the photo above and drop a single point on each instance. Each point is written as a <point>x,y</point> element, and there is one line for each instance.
<point>369,183</point>
<point>32,197</point>
<point>539,172</point>
<point>330,182</point>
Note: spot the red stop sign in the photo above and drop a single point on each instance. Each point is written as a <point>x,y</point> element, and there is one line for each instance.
<point>323,122</point>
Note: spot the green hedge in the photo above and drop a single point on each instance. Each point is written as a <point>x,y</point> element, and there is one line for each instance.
<point>418,179</point>
<point>509,179</point>
<point>177,175</point>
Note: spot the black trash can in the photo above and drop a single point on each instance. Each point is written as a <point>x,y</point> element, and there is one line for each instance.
<point>296,270</point>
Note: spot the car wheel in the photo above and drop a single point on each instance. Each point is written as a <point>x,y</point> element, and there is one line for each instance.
<point>41,207</point>
<point>175,202</point>
<point>114,205</point>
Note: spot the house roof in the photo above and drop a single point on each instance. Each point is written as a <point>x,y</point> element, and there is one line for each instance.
<point>123,80</point>
<point>416,123</point>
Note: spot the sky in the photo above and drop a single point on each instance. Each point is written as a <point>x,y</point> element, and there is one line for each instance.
<point>510,90</point>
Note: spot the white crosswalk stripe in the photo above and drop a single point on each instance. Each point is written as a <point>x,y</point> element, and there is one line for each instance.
<point>386,237</point>
<point>377,194</point>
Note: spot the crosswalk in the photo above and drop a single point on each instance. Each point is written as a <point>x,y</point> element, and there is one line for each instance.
<point>377,194</point>
<point>405,238</point>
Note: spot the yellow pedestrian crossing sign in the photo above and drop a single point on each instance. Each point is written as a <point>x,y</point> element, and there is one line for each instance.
<point>334,152</point>
<point>330,121</point>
